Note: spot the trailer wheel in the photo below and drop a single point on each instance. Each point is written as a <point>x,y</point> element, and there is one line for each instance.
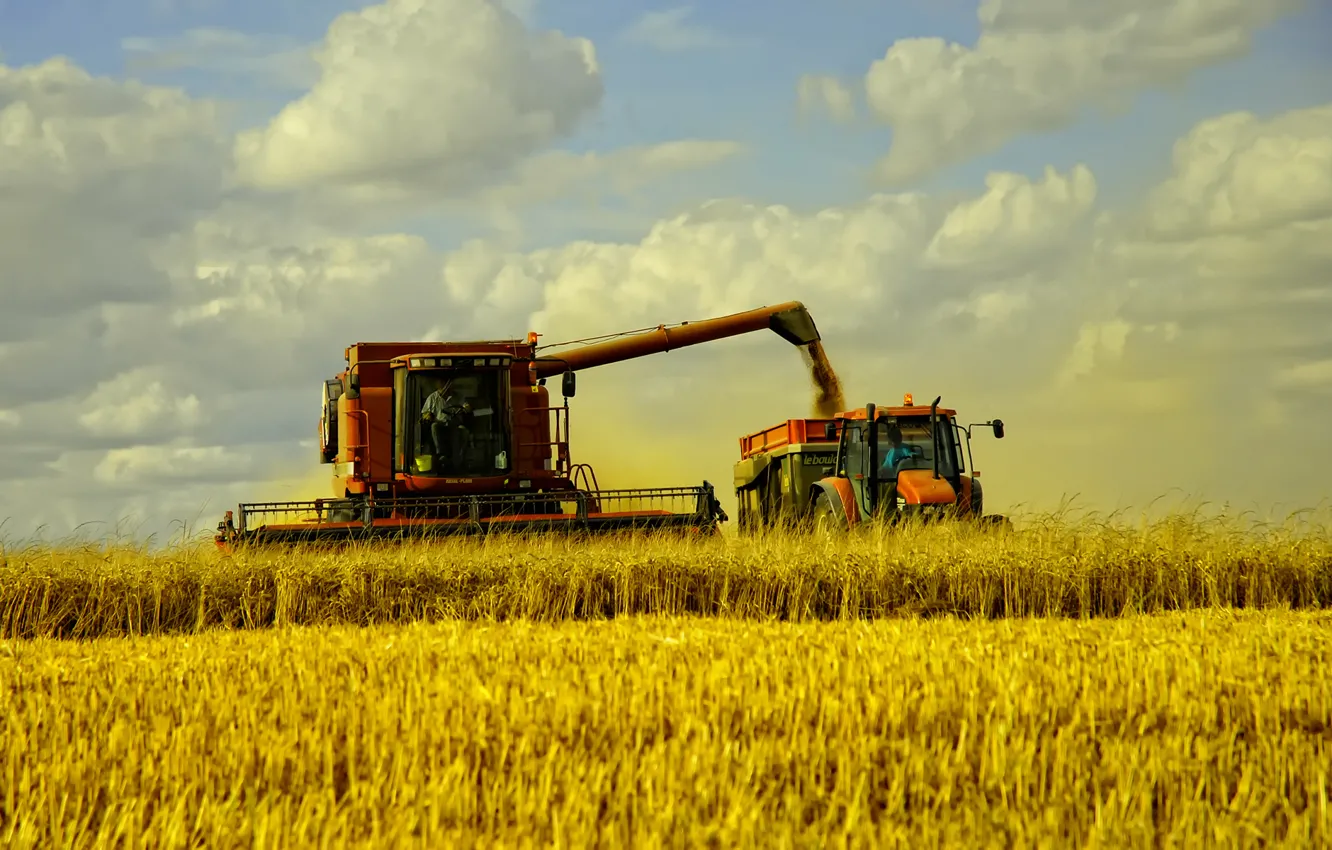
<point>997,522</point>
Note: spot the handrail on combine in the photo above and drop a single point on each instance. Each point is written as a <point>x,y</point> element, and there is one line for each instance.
<point>583,472</point>
<point>561,441</point>
<point>365,435</point>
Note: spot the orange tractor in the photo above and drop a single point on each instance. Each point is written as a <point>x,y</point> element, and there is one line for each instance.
<point>837,473</point>
<point>461,437</point>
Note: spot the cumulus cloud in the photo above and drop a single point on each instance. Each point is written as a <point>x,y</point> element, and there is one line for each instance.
<point>822,92</point>
<point>106,166</point>
<point>874,257</point>
<point>1038,63</point>
<point>133,403</point>
<point>156,465</point>
<point>449,90</point>
<point>1238,174</point>
<point>386,130</point>
<point>1211,310</point>
<point>1015,221</point>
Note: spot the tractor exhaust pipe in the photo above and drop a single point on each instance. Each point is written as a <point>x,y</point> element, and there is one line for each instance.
<point>872,479</point>
<point>934,433</point>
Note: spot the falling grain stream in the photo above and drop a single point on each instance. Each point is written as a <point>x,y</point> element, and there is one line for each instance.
<point>828,399</point>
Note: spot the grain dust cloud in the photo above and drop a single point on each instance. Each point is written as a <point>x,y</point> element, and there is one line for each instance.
<point>828,397</point>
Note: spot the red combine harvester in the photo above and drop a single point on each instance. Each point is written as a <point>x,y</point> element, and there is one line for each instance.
<point>832,472</point>
<point>485,458</point>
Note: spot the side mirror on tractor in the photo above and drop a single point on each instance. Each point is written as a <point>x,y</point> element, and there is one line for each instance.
<point>829,430</point>
<point>998,426</point>
<point>568,385</point>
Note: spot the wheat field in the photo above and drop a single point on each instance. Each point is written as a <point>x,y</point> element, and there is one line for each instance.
<point>1050,569</point>
<point>1092,685</point>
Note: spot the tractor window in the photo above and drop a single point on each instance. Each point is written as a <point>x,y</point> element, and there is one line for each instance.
<point>328,422</point>
<point>916,437</point>
<point>959,434</point>
<point>854,448</point>
<point>455,423</point>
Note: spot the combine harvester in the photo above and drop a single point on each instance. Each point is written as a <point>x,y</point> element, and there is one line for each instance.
<point>493,463</point>
<point>829,473</point>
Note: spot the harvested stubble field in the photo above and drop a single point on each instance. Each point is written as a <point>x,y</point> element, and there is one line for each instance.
<point>642,693</point>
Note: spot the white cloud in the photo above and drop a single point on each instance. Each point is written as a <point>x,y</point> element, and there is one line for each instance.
<point>104,166</point>
<point>668,31</point>
<point>1101,343</point>
<point>728,256</point>
<point>1038,63</point>
<point>150,465</point>
<point>1237,174</point>
<point>452,91</point>
<point>1013,221</point>
<point>1207,325</point>
<point>820,91</point>
<point>63,127</point>
<point>136,402</point>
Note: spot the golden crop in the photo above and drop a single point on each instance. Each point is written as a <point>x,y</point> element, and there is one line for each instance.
<point>1198,729</point>
<point>647,693</point>
<point>1056,569</point>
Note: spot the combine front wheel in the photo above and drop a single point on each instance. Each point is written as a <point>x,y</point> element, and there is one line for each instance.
<point>343,510</point>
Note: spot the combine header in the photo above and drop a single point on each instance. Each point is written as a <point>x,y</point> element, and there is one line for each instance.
<point>837,473</point>
<point>461,437</point>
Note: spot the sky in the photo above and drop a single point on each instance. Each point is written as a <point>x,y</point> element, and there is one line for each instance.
<point>1108,224</point>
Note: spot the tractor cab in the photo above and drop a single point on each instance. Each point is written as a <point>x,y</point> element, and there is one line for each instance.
<point>902,460</point>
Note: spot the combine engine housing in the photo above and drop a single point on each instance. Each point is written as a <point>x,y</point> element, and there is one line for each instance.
<point>502,461</point>
<point>830,470</point>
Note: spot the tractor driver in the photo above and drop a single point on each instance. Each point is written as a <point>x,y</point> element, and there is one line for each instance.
<point>896,454</point>
<point>443,409</point>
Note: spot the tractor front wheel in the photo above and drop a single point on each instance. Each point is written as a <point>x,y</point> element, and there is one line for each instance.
<point>826,523</point>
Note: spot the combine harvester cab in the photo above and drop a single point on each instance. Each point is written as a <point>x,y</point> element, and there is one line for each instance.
<point>830,473</point>
<point>493,454</point>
